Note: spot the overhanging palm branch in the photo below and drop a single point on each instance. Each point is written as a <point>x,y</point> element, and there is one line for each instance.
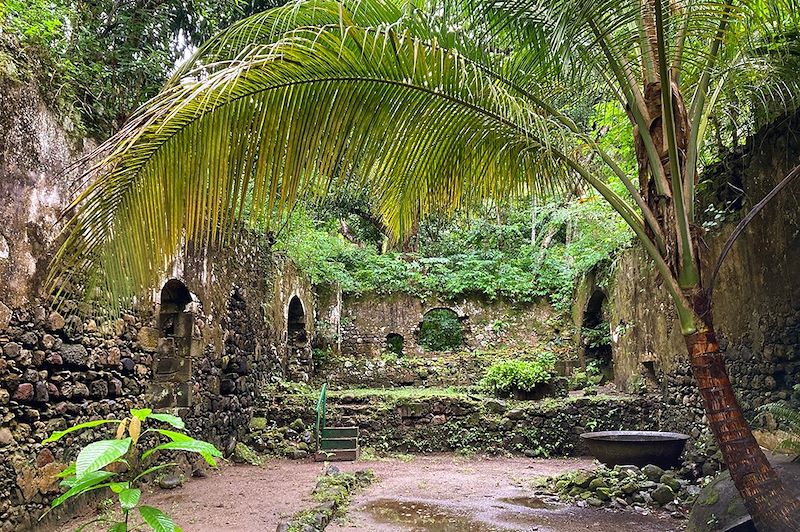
<point>420,125</point>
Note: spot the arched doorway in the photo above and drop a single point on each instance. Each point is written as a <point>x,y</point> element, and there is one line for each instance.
<point>394,343</point>
<point>172,367</point>
<point>299,363</point>
<point>596,336</point>
<point>441,330</point>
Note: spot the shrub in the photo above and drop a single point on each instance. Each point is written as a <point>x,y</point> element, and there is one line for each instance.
<point>441,330</point>
<point>508,376</point>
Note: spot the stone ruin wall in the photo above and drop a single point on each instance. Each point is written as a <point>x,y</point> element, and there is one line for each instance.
<point>59,368</point>
<point>756,298</point>
<point>366,320</point>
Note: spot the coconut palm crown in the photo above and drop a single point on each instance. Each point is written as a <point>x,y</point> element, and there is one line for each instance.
<point>432,105</point>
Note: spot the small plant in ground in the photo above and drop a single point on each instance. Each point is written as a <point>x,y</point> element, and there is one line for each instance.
<point>509,376</point>
<point>790,417</point>
<point>116,464</point>
<point>586,379</point>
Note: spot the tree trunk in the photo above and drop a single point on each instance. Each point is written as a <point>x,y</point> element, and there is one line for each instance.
<point>772,507</point>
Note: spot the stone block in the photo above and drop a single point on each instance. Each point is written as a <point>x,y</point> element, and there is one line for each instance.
<point>149,338</point>
<point>74,354</point>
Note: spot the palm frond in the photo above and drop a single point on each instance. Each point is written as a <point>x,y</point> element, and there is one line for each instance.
<point>416,123</point>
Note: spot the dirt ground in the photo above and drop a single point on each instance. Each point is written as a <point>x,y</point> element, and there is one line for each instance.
<point>434,493</point>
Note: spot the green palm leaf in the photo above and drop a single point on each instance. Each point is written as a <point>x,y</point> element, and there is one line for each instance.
<point>415,122</point>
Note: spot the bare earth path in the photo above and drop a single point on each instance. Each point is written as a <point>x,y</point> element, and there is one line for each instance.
<point>434,493</point>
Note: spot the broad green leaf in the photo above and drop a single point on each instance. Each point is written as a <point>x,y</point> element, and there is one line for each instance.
<point>204,449</point>
<point>70,470</point>
<point>99,454</point>
<point>172,435</point>
<point>175,421</point>
<point>119,527</point>
<point>119,487</point>
<point>129,498</point>
<point>141,413</point>
<point>84,483</point>
<point>57,435</point>
<point>153,470</point>
<point>157,520</point>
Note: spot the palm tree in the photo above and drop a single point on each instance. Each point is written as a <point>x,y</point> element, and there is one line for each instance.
<point>428,105</point>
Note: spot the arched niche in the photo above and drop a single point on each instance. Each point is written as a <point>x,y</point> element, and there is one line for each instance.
<point>172,366</point>
<point>441,329</point>
<point>394,343</point>
<point>296,323</point>
<point>596,335</point>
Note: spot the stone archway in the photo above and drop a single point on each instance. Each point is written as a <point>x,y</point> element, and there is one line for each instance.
<point>172,366</point>
<point>299,362</point>
<point>596,335</point>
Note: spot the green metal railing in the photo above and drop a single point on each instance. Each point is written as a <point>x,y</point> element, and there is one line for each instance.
<point>321,402</point>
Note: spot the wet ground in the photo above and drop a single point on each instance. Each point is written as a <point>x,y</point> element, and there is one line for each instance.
<point>435,493</point>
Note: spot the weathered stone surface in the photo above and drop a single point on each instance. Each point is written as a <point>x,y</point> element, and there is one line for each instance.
<point>24,392</point>
<point>75,354</point>
<point>55,322</point>
<point>148,338</point>
<point>5,316</point>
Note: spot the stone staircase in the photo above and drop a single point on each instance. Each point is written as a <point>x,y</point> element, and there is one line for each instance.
<point>337,444</point>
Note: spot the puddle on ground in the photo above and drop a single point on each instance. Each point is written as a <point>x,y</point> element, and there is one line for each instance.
<point>423,517</point>
<point>534,503</point>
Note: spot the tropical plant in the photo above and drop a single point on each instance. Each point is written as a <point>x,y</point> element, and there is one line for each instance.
<point>509,376</point>
<point>116,464</point>
<point>790,417</point>
<point>441,330</point>
<point>433,106</point>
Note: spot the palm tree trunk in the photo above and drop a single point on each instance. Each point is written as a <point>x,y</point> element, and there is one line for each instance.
<point>772,507</point>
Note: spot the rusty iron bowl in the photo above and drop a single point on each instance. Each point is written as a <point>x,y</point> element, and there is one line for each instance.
<point>636,447</point>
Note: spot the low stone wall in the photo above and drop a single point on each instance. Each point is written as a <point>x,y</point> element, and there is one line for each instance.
<point>468,423</point>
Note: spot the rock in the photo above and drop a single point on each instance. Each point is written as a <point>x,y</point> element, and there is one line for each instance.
<point>5,316</point>
<point>258,423</point>
<point>75,354</point>
<point>29,339</point>
<point>54,359</point>
<point>296,454</point>
<point>496,406</point>
<point>597,483</point>
<point>652,472</point>
<point>24,392</point>
<point>297,425</point>
<point>582,479</point>
<point>516,414</point>
<point>593,501</point>
<point>720,507</point>
<point>99,389</point>
<point>6,438</point>
<point>45,457</point>
<point>170,481</point>
<point>55,322</point>
<point>671,481</point>
<point>12,350</point>
<point>663,494</point>
<point>41,392</point>
<point>245,455</point>
<point>148,338</point>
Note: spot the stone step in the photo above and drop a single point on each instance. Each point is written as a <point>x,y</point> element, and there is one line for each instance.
<point>340,432</point>
<point>328,444</point>
<point>339,455</point>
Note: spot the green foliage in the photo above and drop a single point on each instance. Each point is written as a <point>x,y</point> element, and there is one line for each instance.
<point>96,465</point>
<point>506,377</point>
<point>487,252</point>
<point>597,336</point>
<point>588,379</point>
<point>394,344</point>
<point>790,417</point>
<point>97,61</point>
<point>441,330</point>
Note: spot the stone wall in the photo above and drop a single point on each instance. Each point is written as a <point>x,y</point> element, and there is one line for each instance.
<point>205,358</point>
<point>756,298</point>
<point>367,320</point>
<point>463,422</point>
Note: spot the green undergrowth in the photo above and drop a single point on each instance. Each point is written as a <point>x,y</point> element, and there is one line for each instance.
<point>332,494</point>
<point>405,393</point>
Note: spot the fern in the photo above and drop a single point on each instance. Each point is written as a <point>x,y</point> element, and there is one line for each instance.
<point>790,417</point>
